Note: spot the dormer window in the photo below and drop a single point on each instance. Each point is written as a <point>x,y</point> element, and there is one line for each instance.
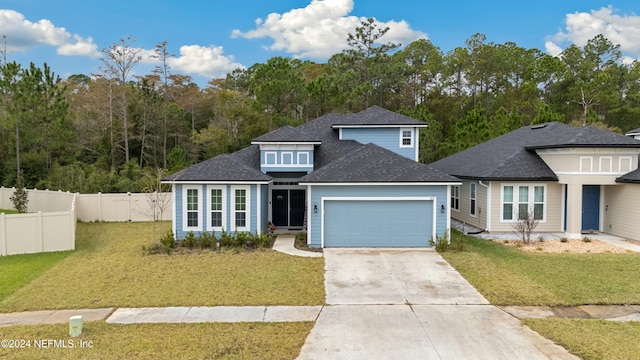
<point>406,137</point>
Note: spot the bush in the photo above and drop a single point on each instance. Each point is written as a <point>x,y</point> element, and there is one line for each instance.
<point>167,240</point>
<point>189,240</point>
<point>442,245</point>
<point>207,240</point>
<point>564,239</point>
<point>586,239</point>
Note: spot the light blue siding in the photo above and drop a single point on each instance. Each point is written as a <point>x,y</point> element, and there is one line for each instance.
<point>255,224</point>
<point>388,138</point>
<point>288,164</point>
<point>439,192</point>
<point>376,223</point>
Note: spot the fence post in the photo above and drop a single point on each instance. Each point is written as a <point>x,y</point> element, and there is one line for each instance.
<point>40,231</point>
<point>99,206</point>
<point>3,234</point>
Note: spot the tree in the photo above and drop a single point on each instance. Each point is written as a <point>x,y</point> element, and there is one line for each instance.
<point>118,60</point>
<point>367,60</point>
<point>20,197</point>
<point>525,225</point>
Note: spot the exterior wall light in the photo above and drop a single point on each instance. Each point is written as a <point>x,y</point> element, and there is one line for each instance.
<point>442,209</point>
<point>315,208</point>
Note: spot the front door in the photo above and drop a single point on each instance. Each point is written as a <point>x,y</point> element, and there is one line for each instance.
<point>287,207</point>
<point>590,207</point>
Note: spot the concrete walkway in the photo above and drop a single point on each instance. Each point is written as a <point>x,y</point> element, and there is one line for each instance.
<point>284,243</point>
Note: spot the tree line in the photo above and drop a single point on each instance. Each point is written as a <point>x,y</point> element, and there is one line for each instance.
<point>104,131</point>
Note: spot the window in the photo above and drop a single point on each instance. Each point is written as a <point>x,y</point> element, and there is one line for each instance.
<point>518,201</point>
<point>455,198</point>
<point>507,203</point>
<point>406,137</point>
<point>472,197</point>
<point>303,158</point>
<point>216,208</point>
<point>270,158</point>
<point>240,208</point>
<point>287,158</point>
<point>191,208</point>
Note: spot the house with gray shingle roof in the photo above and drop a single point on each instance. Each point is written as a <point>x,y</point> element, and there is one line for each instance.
<point>571,179</point>
<point>349,180</point>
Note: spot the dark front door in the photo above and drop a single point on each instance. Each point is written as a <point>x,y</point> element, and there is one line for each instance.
<point>296,203</point>
<point>287,207</point>
<point>590,207</point>
<point>280,207</point>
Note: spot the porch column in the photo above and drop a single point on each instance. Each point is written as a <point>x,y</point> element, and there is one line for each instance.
<point>574,210</point>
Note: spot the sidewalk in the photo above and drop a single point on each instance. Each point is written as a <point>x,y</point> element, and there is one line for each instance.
<point>284,243</point>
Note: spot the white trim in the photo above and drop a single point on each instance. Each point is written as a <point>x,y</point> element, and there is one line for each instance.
<point>185,212</point>
<point>417,146</point>
<point>610,164</point>
<point>288,153</point>
<point>247,209</point>
<point>588,150</point>
<point>591,173</point>
<point>259,225</point>
<point>224,207</point>
<point>309,212</point>
<point>221,182</point>
<point>563,205</point>
<point>382,184</point>
<point>433,200</point>
<point>489,201</point>
<point>173,210</point>
<point>304,166</point>
<point>266,157</point>
<point>339,133</point>
<point>628,158</point>
<point>590,159</point>
<point>473,214</point>
<point>530,201</point>
<point>307,154</point>
<point>285,143</point>
<point>448,226</point>
<point>347,126</point>
<point>411,138</point>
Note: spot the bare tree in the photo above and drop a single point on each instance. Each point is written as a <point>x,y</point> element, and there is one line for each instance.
<point>525,225</point>
<point>158,196</point>
<point>118,60</point>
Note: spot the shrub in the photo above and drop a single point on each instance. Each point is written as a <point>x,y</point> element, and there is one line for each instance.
<point>167,240</point>
<point>564,239</point>
<point>207,240</point>
<point>226,240</point>
<point>189,240</point>
<point>441,244</point>
<point>586,239</point>
<point>156,248</point>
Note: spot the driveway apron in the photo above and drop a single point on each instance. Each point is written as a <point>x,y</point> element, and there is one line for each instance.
<point>411,304</point>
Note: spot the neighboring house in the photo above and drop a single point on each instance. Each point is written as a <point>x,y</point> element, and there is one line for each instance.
<point>350,180</point>
<point>634,134</point>
<point>573,180</point>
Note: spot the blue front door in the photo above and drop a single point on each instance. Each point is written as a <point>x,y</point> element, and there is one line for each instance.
<point>590,207</point>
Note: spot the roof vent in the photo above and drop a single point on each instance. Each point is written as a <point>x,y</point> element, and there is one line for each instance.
<point>538,126</point>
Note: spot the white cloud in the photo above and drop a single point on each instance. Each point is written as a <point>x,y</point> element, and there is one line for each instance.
<point>23,34</point>
<point>208,62</point>
<point>582,26</point>
<point>320,29</point>
<point>82,47</point>
<point>552,48</point>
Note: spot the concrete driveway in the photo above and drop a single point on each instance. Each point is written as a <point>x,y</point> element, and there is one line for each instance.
<point>411,304</point>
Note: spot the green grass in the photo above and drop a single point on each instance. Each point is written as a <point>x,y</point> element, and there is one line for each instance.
<point>164,341</point>
<point>9,211</point>
<point>19,270</point>
<point>592,339</point>
<point>109,269</point>
<point>508,276</point>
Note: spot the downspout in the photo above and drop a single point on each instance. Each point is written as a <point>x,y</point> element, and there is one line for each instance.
<point>488,207</point>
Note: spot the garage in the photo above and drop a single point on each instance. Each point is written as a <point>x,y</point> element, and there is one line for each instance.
<point>349,222</point>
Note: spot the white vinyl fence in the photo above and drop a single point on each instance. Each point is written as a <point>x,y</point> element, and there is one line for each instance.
<point>50,224</point>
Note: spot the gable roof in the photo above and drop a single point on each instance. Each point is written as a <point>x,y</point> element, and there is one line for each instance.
<point>287,134</point>
<point>631,178</point>
<point>512,156</point>
<point>633,132</point>
<point>225,167</point>
<point>371,163</point>
<point>376,116</point>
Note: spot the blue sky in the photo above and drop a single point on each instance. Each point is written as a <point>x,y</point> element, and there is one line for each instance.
<point>211,38</point>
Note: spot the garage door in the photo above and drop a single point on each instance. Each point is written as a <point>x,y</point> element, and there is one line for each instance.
<point>378,223</point>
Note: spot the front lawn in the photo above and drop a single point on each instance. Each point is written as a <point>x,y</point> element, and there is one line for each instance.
<point>509,276</point>
<point>109,269</point>
<point>592,339</point>
<point>19,270</point>
<point>161,341</point>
